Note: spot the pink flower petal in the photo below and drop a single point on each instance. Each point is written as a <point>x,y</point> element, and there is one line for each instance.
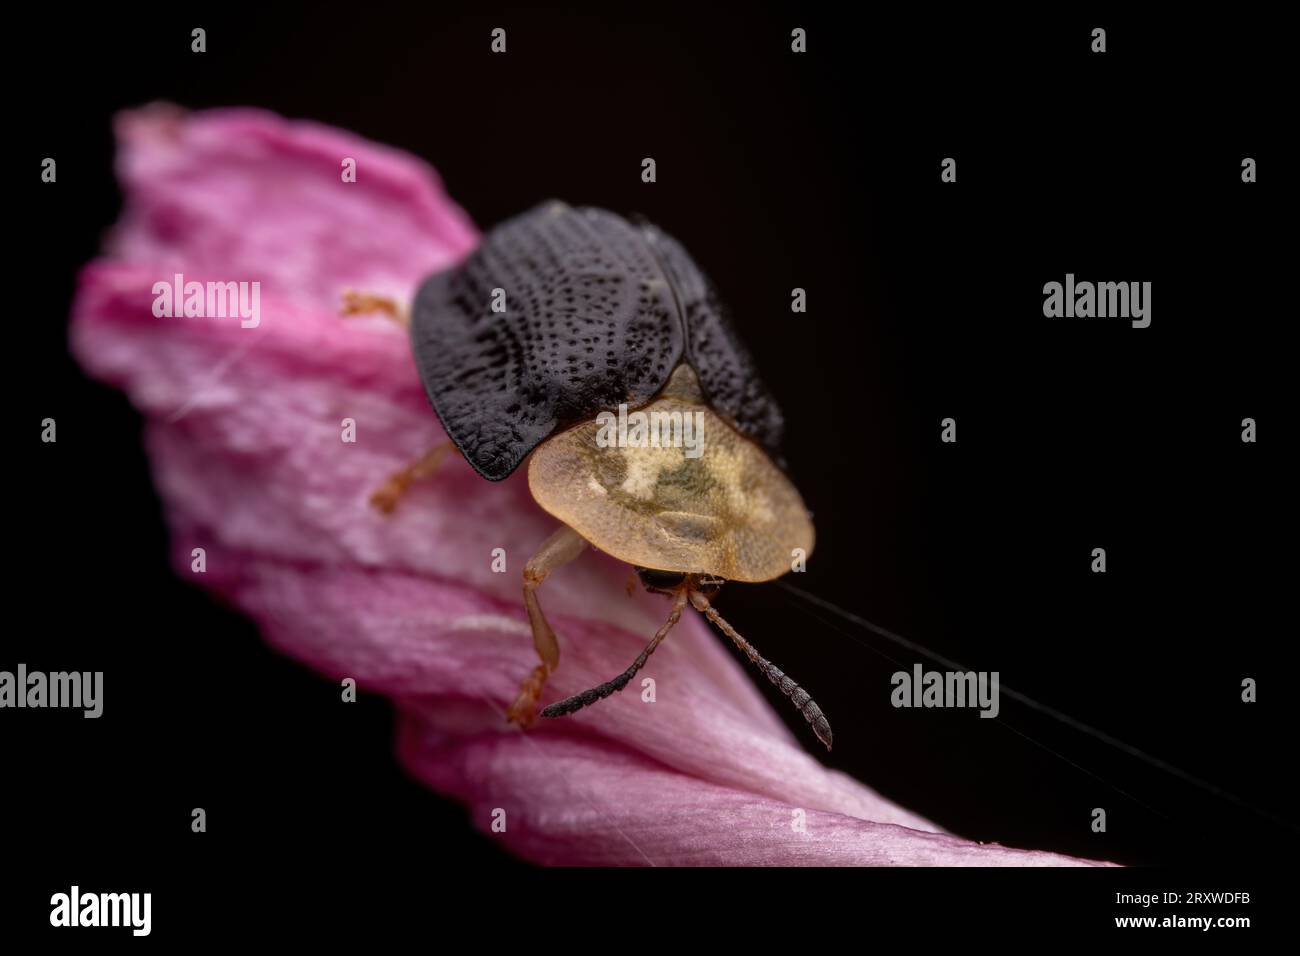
<point>257,198</point>
<point>244,431</point>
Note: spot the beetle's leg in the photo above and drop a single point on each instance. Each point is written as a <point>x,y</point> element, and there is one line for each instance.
<point>365,303</point>
<point>385,497</point>
<point>558,550</point>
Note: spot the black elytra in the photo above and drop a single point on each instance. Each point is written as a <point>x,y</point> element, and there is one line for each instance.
<point>598,311</point>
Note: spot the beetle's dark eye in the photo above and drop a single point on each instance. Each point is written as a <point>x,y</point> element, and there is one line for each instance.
<point>661,580</point>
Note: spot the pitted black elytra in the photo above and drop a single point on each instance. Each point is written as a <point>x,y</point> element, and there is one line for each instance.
<point>598,312</point>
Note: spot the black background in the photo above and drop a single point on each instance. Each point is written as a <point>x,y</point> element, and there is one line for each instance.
<point>925,301</point>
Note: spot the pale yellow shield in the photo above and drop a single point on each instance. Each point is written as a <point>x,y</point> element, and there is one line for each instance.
<point>720,508</point>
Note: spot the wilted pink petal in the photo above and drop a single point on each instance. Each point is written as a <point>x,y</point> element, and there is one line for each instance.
<point>259,198</point>
<point>244,433</point>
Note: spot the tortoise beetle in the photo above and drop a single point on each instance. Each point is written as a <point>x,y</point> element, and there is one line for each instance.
<point>561,317</point>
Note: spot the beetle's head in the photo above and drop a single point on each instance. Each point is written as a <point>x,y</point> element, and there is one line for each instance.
<point>669,582</point>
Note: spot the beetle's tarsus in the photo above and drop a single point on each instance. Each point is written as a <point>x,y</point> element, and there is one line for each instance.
<point>387,495</point>
<point>524,710</point>
<point>366,303</point>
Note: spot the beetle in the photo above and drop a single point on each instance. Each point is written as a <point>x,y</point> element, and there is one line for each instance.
<point>561,316</point>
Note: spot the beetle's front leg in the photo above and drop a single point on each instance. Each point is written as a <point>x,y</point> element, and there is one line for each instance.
<point>558,550</point>
<point>365,303</point>
<point>386,496</point>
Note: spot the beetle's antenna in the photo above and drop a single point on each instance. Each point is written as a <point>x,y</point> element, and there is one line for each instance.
<point>801,699</point>
<point>588,697</point>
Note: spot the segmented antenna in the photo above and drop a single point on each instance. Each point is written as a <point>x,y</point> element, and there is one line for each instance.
<point>801,699</point>
<point>588,697</point>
